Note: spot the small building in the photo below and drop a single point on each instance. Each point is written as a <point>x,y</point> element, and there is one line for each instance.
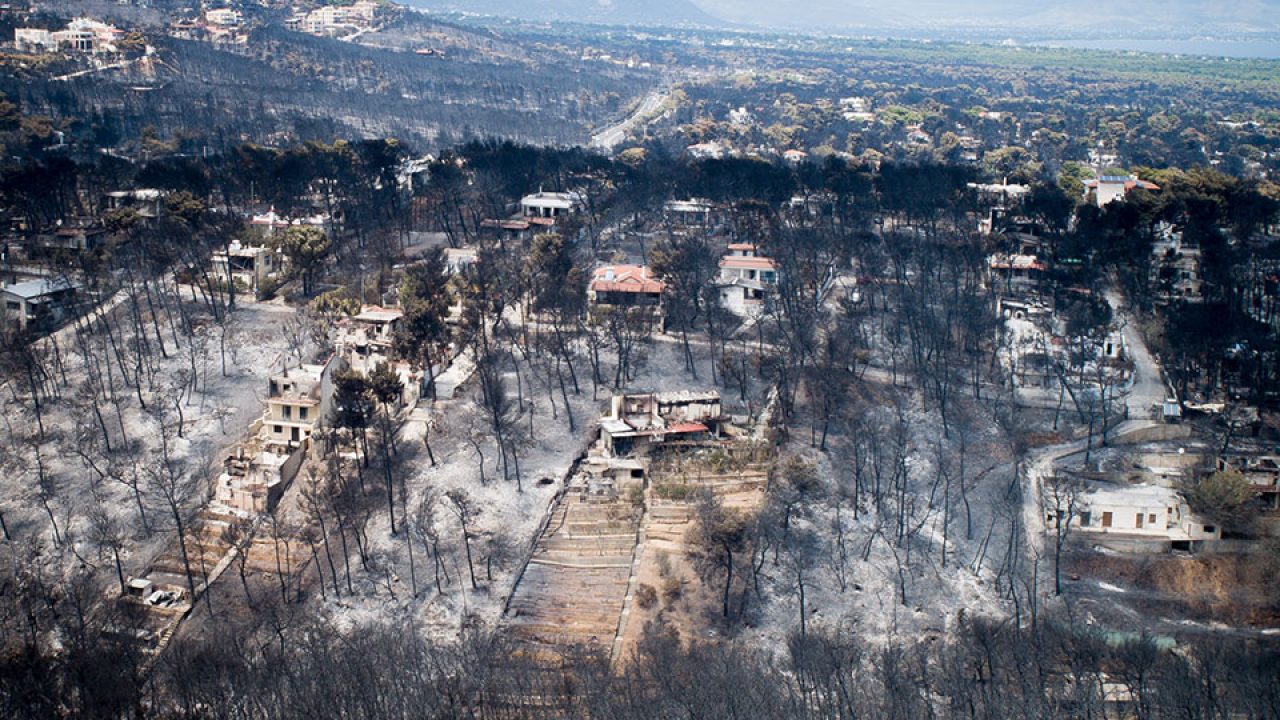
<point>33,40</point>
<point>1143,518</point>
<point>365,340</point>
<point>625,286</point>
<point>37,305</point>
<point>75,238</point>
<point>795,157</point>
<point>269,223</point>
<point>1017,273</point>
<point>1106,189</point>
<point>224,17</point>
<point>693,210</point>
<point>1260,469</point>
<point>458,259</point>
<point>638,423</point>
<point>745,280</point>
<point>247,266</point>
<point>146,202</point>
<point>549,204</point>
<point>707,151</point>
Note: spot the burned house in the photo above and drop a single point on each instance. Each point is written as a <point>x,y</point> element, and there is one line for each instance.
<point>638,424</point>
<point>246,266</point>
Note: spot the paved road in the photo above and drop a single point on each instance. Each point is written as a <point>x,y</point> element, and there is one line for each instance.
<point>1147,388</point>
<point>611,136</point>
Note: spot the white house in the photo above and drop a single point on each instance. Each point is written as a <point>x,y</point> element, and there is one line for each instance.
<point>298,399</point>
<point>1143,517</point>
<point>1106,189</point>
<point>224,17</point>
<point>549,204</point>
<point>248,266</point>
<point>36,304</point>
<point>745,280</point>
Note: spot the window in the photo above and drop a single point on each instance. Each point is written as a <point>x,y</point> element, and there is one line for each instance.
<point>1151,518</point>
<point>288,412</point>
<point>302,415</point>
<point>1210,528</point>
<point>1106,519</point>
<point>277,429</point>
<point>1139,520</point>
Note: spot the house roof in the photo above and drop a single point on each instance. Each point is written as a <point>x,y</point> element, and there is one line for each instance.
<point>1134,496</point>
<point>32,289</point>
<point>625,278</point>
<point>743,247</point>
<point>558,200</point>
<point>1017,262</point>
<point>737,262</point>
<point>375,314</point>
<point>1130,182</point>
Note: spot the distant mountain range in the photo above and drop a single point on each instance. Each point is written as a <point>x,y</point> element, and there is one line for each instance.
<point>1069,17</point>
<point>1112,17</point>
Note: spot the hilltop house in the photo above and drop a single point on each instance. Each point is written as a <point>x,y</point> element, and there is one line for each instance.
<point>79,35</point>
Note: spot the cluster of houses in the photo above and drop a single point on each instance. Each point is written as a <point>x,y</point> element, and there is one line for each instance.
<point>335,19</point>
<point>222,25</point>
<point>81,35</point>
<point>744,283</point>
<point>299,401</point>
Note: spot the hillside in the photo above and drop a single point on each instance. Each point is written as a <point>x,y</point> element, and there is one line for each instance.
<point>606,12</point>
<point>305,88</point>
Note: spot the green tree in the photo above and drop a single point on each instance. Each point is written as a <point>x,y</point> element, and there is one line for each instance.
<point>306,248</point>
<point>1224,497</point>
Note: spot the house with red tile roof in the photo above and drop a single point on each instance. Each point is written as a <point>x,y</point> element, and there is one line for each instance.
<point>625,286</point>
